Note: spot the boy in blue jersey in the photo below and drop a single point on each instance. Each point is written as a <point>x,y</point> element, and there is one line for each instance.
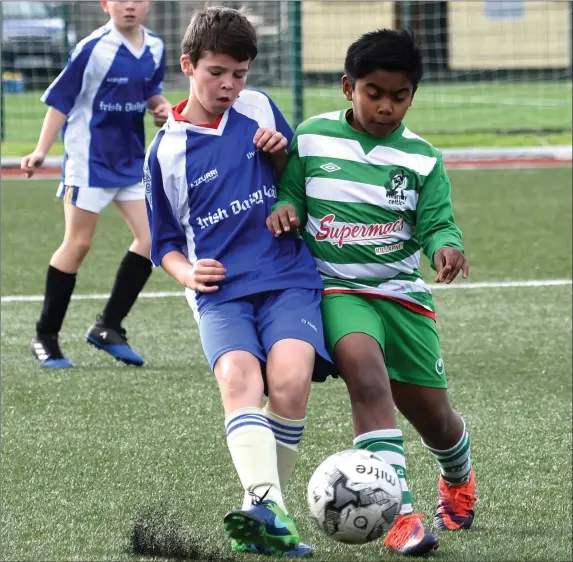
<point>210,178</point>
<point>99,102</point>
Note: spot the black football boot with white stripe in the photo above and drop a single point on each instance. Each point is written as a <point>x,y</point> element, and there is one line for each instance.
<point>46,349</point>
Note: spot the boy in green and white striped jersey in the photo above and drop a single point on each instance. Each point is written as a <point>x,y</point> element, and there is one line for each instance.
<point>369,196</point>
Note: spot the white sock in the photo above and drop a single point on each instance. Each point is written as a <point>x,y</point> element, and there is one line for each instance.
<point>252,446</point>
<point>389,444</point>
<point>288,434</point>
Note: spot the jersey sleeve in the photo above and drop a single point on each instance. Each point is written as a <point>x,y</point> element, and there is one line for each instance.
<point>292,188</point>
<point>162,200</point>
<point>156,82</point>
<point>65,89</point>
<point>435,226</point>
<point>281,124</point>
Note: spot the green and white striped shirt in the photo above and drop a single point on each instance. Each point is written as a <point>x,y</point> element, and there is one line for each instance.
<point>369,206</point>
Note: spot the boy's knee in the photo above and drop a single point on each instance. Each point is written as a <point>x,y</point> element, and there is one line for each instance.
<point>369,386</point>
<point>143,243</point>
<point>237,380</point>
<point>366,377</point>
<point>289,392</point>
<point>289,373</point>
<point>78,248</point>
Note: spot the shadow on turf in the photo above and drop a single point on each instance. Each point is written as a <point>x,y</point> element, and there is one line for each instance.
<point>158,533</point>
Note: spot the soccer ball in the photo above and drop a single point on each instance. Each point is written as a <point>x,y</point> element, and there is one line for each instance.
<point>354,496</point>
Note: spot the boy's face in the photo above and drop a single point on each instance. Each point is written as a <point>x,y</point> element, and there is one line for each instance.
<point>126,15</point>
<point>380,101</point>
<point>217,80</point>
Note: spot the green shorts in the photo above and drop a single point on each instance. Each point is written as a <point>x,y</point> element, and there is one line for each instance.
<point>409,341</point>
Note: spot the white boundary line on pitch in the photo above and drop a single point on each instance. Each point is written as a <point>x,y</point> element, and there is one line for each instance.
<point>434,287</point>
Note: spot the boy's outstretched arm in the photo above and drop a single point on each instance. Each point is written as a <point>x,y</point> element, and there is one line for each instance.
<point>289,212</point>
<point>60,97</point>
<point>439,236</point>
<point>53,123</point>
<point>164,199</point>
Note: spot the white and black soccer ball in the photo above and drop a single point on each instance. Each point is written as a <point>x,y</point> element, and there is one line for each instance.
<point>354,496</point>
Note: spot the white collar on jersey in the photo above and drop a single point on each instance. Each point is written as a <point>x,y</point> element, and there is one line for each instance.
<point>137,53</point>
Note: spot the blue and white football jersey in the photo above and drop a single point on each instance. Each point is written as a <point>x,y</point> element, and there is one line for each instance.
<point>209,191</point>
<point>103,91</point>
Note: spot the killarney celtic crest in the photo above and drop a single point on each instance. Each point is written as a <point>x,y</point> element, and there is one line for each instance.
<point>396,187</point>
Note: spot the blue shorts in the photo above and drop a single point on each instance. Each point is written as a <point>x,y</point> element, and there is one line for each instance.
<point>256,322</point>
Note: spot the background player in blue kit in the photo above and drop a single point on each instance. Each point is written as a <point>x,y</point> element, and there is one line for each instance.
<point>210,184</point>
<point>99,102</point>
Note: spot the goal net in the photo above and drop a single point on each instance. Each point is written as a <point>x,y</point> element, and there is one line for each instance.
<point>496,72</point>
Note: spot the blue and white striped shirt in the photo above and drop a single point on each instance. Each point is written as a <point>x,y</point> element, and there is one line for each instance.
<point>103,91</point>
<point>209,192</point>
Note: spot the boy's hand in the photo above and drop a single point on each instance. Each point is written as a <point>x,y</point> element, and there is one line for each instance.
<point>269,140</point>
<point>203,272</point>
<point>282,220</point>
<point>448,263</point>
<point>30,163</point>
<point>160,114</point>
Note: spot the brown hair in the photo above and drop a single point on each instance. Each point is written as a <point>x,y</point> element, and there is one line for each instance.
<point>222,31</point>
